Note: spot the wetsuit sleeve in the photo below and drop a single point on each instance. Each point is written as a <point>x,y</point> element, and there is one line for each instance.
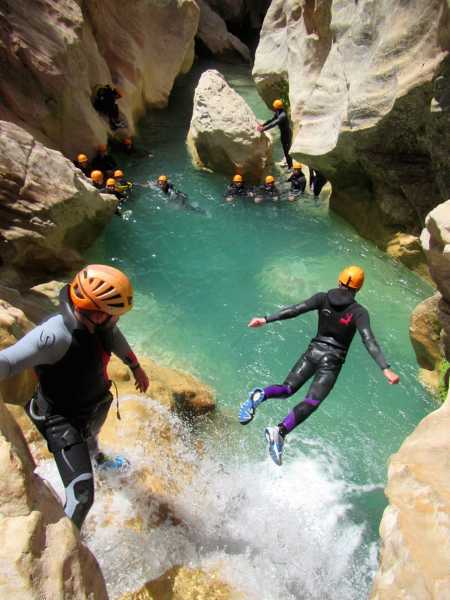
<point>274,121</point>
<point>313,303</point>
<point>43,345</point>
<point>362,322</point>
<point>121,348</point>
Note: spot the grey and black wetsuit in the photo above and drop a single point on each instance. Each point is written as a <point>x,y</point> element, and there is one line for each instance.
<point>281,119</point>
<point>340,316</point>
<point>235,190</point>
<point>72,398</point>
<point>298,181</point>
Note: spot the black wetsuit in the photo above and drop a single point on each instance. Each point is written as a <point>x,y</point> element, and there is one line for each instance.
<point>105,103</point>
<point>298,181</point>
<point>235,190</point>
<point>317,181</point>
<point>167,188</point>
<point>340,316</point>
<point>73,398</point>
<point>104,163</point>
<point>84,167</point>
<point>268,191</point>
<point>281,119</point>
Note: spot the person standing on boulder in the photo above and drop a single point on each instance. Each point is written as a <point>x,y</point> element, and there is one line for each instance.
<point>69,353</point>
<point>281,119</point>
<point>339,318</point>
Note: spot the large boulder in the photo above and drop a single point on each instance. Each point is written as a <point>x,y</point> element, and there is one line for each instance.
<point>223,135</point>
<point>41,555</point>
<point>425,334</point>
<point>360,79</point>
<point>435,239</point>
<point>54,54</point>
<point>213,32</point>
<point>415,528</point>
<point>49,211</point>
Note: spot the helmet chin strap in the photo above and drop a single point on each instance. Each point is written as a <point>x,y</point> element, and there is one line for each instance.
<point>97,326</point>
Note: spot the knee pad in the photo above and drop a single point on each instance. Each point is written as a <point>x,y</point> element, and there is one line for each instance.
<point>79,498</point>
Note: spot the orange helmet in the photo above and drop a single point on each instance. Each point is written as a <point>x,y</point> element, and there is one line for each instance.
<point>82,158</point>
<point>277,104</point>
<point>118,173</point>
<point>110,182</point>
<point>352,277</point>
<point>102,148</point>
<point>103,288</point>
<point>162,178</point>
<point>297,165</point>
<point>127,141</point>
<point>270,179</point>
<point>97,176</point>
<point>237,178</point>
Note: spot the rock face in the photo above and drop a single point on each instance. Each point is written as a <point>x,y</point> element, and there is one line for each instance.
<point>48,210</point>
<point>213,32</point>
<point>40,554</point>
<point>223,136</point>
<point>425,334</point>
<point>368,85</point>
<point>435,241</point>
<point>53,54</point>
<point>415,528</point>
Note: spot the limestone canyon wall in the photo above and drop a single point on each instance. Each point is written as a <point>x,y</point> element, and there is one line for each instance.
<point>369,90</point>
<point>53,54</point>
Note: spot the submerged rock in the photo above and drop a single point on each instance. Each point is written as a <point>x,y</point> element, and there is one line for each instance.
<point>223,135</point>
<point>359,77</point>
<point>415,528</point>
<point>48,210</point>
<point>183,583</point>
<point>213,32</point>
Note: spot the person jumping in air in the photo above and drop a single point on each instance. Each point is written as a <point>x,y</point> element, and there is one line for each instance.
<point>69,353</point>
<point>281,119</point>
<point>339,318</point>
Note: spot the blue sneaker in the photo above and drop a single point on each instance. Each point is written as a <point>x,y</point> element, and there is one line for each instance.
<point>116,463</point>
<point>276,443</point>
<point>248,408</point>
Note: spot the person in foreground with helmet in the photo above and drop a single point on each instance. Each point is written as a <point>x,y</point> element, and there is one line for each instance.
<point>165,185</point>
<point>281,119</point>
<point>69,353</point>
<point>103,161</point>
<point>236,189</point>
<point>267,191</point>
<point>339,318</point>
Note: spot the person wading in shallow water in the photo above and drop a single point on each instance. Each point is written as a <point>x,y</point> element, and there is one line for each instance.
<point>340,316</point>
<point>69,353</point>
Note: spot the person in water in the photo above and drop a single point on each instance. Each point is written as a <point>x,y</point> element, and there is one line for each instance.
<point>82,163</point>
<point>297,180</point>
<point>122,185</point>
<point>165,185</point>
<point>316,182</point>
<point>103,161</point>
<point>281,119</point>
<point>339,318</point>
<point>69,353</point>
<point>97,179</point>
<point>267,191</point>
<point>236,189</point>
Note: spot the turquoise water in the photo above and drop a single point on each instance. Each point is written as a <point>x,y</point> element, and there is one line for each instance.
<point>198,280</point>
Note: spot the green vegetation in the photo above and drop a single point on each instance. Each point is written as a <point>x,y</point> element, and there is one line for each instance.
<point>444,373</point>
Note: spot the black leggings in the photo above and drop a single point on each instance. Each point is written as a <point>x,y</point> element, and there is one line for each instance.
<point>71,440</point>
<point>320,361</point>
<point>286,141</point>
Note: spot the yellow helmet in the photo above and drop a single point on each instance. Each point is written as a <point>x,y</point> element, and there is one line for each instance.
<point>110,182</point>
<point>352,277</point>
<point>101,287</point>
<point>82,158</point>
<point>97,176</point>
<point>269,179</point>
<point>296,164</point>
<point>162,178</point>
<point>277,104</point>
<point>118,173</point>
<point>237,178</point>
